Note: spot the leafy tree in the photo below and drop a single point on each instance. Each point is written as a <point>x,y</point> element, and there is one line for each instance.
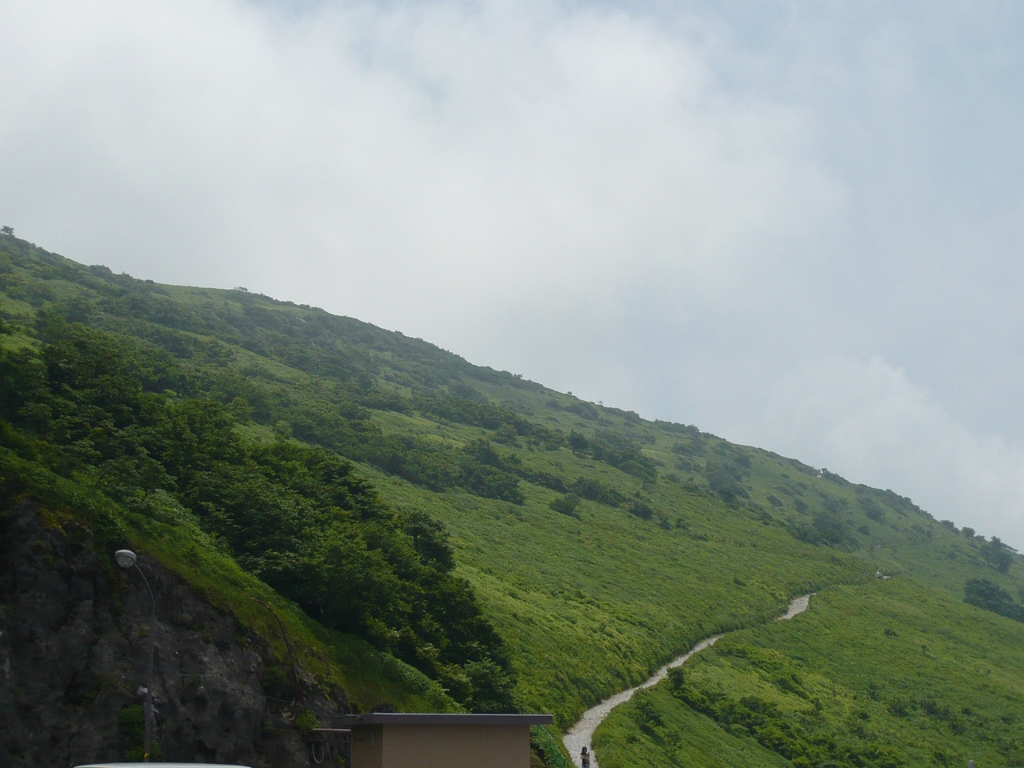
<point>640,507</point>
<point>827,528</point>
<point>617,450</point>
<point>595,490</point>
<point>871,509</point>
<point>578,443</point>
<point>567,505</point>
<point>485,472</point>
<point>984,594</point>
<point>997,554</point>
<point>724,481</point>
<point>430,540</point>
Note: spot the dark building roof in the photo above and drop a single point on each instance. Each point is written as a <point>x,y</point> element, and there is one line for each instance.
<point>411,718</point>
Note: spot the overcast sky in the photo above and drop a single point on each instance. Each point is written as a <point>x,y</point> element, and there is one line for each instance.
<point>794,224</point>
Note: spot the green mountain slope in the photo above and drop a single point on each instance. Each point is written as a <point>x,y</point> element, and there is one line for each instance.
<point>888,673</point>
<point>518,546</point>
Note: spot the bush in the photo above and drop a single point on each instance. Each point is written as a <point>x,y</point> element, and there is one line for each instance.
<point>567,505</point>
<point>132,724</point>
<point>991,597</point>
<point>997,554</point>
<point>638,507</point>
<point>595,490</point>
<point>618,451</point>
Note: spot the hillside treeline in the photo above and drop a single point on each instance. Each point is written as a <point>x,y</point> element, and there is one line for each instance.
<point>150,431</point>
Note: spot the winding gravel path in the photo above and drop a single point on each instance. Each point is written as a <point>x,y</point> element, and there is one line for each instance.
<point>579,735</point>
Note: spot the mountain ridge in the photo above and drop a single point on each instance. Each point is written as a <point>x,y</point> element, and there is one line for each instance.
<point>596,544</point>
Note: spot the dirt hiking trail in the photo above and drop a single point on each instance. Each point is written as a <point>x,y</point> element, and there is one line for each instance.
<point>579,735</point>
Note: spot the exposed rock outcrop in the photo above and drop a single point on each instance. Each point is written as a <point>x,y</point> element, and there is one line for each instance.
<point>73,649</point>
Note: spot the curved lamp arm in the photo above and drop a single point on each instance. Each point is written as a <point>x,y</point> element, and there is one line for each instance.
<point>128,559</point>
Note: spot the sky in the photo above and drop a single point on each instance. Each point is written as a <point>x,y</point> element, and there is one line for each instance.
<point>797,225</point>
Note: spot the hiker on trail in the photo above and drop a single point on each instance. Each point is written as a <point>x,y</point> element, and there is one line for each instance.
<point>970,764</point>
<point>585,758</point>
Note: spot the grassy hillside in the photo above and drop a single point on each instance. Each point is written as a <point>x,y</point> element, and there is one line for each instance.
<point>888,673</point>
<point>595,543</point>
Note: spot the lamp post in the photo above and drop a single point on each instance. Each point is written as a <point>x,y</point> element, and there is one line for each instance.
<point>126,559</point>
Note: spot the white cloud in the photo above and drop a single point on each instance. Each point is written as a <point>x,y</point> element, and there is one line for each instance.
<point>679,209</point>
<point>884,430</point>
<point>443,145</point>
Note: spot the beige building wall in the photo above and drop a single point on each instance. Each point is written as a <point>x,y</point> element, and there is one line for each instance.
<point>454,746</point>
<point>368,746</point>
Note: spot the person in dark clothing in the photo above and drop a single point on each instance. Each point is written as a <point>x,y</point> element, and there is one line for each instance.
<point>585,758</point>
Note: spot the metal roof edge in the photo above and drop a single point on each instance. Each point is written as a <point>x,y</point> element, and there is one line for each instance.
<point>435,718</point>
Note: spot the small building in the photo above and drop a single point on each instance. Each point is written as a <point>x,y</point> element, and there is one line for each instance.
<point>400,740</point>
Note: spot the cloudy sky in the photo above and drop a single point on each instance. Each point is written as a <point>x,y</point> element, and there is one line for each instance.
<point>794,224</point>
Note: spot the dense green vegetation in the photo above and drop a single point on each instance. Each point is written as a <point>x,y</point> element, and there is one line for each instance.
<point>887,673</point>
<point>984,594</point>
<point>473,538</point>
<point>94,407</point>
<point>169,534</point>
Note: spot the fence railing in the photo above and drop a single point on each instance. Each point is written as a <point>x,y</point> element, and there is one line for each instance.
<point>544,736</point>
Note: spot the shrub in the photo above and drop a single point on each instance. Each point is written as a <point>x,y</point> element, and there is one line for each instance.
<point>305,722</point>
<point>991,597</point>
<point>638,507</point>
<point>567,505</point>
<point>997,554</point>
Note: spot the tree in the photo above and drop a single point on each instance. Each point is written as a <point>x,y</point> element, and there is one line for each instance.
<point>640,508</point>
<point>997,554</point>
<point>984,594</point>
<point>578,443</point>
<point>9,231</point>
<point>567,505</point>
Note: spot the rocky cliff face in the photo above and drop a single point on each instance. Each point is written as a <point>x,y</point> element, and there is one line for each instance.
<point>73,651</point>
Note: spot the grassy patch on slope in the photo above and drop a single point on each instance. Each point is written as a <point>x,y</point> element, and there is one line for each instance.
<point>888,673</point>
<point>591,606</point>
<point>654,730</point>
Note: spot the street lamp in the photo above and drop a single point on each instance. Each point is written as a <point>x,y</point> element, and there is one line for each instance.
<point>126,559</point>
